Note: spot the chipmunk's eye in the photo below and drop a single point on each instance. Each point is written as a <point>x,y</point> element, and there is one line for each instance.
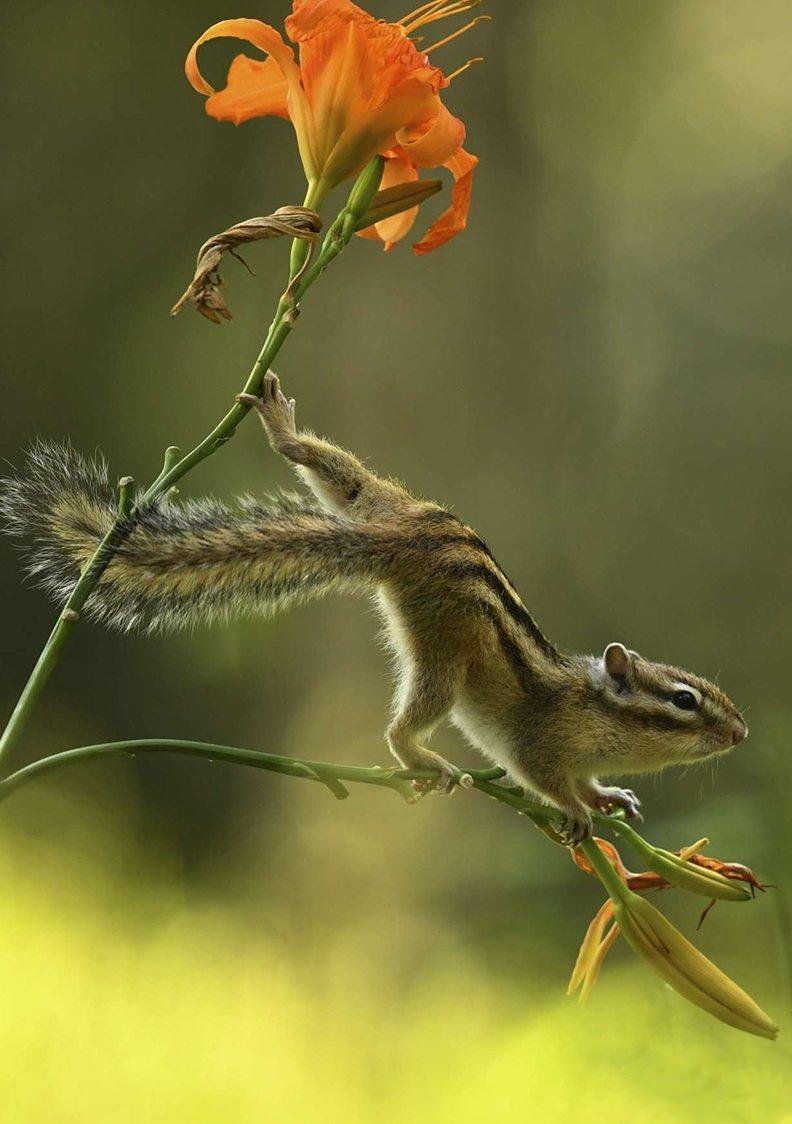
<point>685,700</point>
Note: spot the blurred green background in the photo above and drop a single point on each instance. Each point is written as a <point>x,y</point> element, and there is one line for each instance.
<point>596,376</point>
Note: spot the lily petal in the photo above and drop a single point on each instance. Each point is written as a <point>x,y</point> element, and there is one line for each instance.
<point>269,40</point>
<point>591,942</point>
<point>310,16</point>
<point>453,220</point>
<point>254,88</point>
<point>605,945</point>
<point>363,79</point>
<point>436,144</point>
<point>375,130</point>
<point>260,34</point>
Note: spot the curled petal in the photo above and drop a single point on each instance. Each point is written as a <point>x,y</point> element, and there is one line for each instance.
<point>205,289</point>
<point>242,97</point>
<point>435,144</point>
<point>260,34</point>
<point>607,849</point>
<point>729,870</point>
<point>591,942</point>
<point>604,947</point>
<point>254,88</point>
<point>452,221</point>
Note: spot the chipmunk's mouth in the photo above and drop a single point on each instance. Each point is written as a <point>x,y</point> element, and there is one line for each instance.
<point>721,741</point>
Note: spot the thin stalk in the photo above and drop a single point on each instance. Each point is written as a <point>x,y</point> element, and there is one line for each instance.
<point>64,627</point>
<point>320,771</point>
<point>338,237</point>
<point>604,870</point>
<point>327,773</point>
<point>314,197</point>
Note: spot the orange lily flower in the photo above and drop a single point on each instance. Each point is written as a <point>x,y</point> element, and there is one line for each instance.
<point>361,87</point>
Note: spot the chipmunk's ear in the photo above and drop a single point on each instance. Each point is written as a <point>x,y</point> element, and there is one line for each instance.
<point>618,662</point>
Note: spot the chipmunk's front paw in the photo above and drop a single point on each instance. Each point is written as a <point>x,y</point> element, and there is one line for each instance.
<point>276,410</point>
<point>609,798</point>
<point>575,828</point>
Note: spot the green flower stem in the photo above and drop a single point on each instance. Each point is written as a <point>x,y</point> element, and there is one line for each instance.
<point>338,237</point>
<point>605,871</point>
<point>64,627</point>
<point>334,776</point>
<point>314,198</point>
<point>330,775</point>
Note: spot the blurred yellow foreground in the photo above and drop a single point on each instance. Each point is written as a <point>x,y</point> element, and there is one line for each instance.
<point>125,1001</point>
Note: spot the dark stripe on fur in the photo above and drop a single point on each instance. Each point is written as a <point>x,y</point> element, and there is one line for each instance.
<point>495,579</point>
<point>514,608</point>
<point>265,556</point>
<point>513,654</point>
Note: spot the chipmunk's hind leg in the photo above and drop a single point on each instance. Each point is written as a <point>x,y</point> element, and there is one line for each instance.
<point>423,701</point>
<point>340,482</point>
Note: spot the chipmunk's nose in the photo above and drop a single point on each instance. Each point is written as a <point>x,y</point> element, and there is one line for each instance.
<point>739,731</point>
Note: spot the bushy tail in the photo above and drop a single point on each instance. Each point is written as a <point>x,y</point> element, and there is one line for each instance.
<point>186,563</point>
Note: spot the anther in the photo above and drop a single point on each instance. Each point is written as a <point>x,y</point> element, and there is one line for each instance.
<point>455,34</point>
<point>461,69</point>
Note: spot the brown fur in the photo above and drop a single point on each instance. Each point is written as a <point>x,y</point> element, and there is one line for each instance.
<point>468,649</point>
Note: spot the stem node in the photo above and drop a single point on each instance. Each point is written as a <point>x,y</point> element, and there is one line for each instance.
<point>126,487</point>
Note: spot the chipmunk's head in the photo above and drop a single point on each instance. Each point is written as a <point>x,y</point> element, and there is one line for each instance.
<point>659,715</point>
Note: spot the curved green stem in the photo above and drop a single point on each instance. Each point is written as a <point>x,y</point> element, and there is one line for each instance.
<point>325,773</point>
<point>64,627</point>
<point>337,238</point>
<point>333,776</point>
<point>605,871</point>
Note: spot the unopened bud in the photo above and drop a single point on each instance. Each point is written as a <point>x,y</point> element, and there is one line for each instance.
<point>393,200</point>
<point>365,187</point>
<point>679,872</point>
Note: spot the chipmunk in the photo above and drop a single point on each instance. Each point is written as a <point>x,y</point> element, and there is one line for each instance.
<point>466,647</point>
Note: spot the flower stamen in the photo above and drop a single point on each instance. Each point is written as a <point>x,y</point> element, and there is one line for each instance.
<point>461,69</point>
<point>456,34</point>
<point>436,10</point>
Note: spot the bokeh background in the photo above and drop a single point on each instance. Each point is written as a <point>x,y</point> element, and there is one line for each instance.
<point>596,375</point>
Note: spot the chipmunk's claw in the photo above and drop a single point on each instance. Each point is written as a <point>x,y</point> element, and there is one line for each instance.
<point>444,783</point>
<point>575,828</point>
<point>623,798</point>
<point>276,411</point>
<point>249,400</point>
